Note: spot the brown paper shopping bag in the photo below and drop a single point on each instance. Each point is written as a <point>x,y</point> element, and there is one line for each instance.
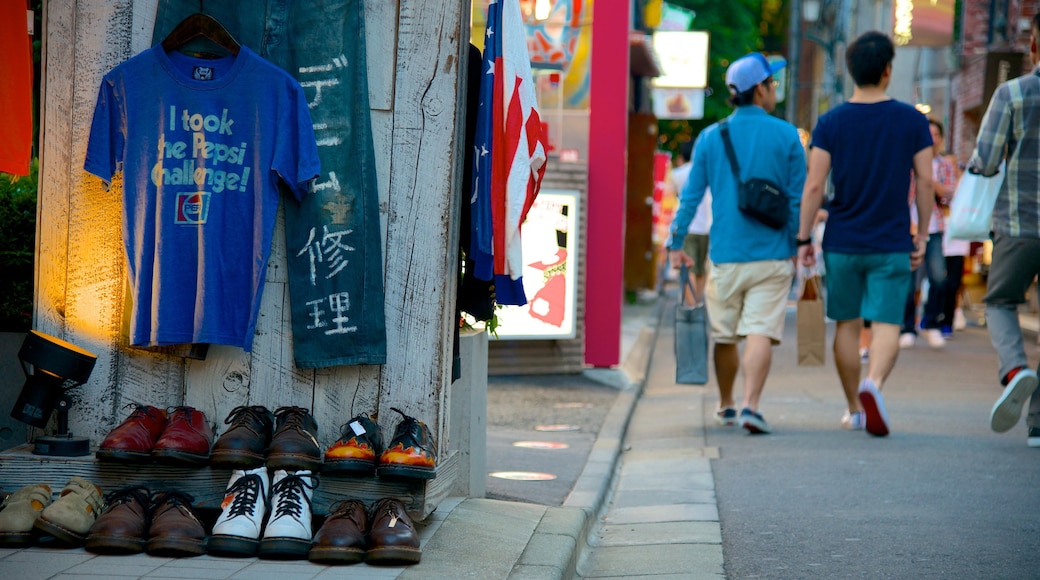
<point>812,330</point>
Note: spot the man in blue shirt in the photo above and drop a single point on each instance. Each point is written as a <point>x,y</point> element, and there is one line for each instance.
<point>747,288</point>
<point>869,145</point>
<point>1012,123</point>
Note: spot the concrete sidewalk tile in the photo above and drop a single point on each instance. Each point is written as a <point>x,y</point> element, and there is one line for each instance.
<point>685,453</point>
<point>113,566</point>
<point>694,576</point>
<point>200,573</point>
<point>663,513</point>
<point>210,563</point>
<point>703,481</point>
<point>481,538</point>
<point>5,552</point>
<point>686,532</point>
<point>640,498</point>
<point>360,572</point>
<point>549,550</point>
<point>266,570</point>
<point>686,560</point>
<point>524,572</point>
<point>41,563</point>
<point>647,468</point>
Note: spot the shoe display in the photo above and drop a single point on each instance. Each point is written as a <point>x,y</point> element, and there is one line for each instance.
<point>186,439</point>
<point>411,453</point>
<point>70,517</point>
<point>753,422</point>
<point>288,532</point>
<point>934,338</point>
<point>244,444</point>
<point>175,530</point>
<point>294,445</point>
<point>237,531</point>
<point>726,417</point>
<point>19,512</point>
<point>341,539</point>
<point>1008,408</point>
<point>133,439</point>
<point>392,539</point>
<point>854,421</point>
<point>873,408</point>
<point>357,450</point>
<point>123,527</point>
<point>1033,439</point>
<point>907,340</point>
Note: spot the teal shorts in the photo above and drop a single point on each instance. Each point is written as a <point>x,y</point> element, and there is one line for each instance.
<point>870,286</point>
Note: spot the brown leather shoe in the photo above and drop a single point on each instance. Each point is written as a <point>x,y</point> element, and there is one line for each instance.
<point>244,444</point>
<point>357,450</point>
<point>175,530</point>
<point>392,538</point>
<point>294,446</point>
<point>186,439</point>
<point>412,453</point>
<point>133,439</point>
<point>123,527</point>
<point>341,539</point>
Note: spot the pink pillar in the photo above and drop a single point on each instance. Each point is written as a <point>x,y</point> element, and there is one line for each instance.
<point>608,163</point>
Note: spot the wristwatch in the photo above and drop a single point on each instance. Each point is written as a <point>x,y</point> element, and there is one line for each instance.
<point>801,242</point>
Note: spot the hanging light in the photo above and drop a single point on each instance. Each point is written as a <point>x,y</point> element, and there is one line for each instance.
<point>542,8</point>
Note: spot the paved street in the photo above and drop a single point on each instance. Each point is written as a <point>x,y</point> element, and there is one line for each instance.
<point>941,497</point>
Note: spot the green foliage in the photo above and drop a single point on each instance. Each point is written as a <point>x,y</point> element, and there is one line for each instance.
<point>737,27</point>
<point>17,248</point>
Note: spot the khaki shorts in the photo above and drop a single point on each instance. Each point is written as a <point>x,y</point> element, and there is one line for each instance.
<point>696,247</point>
<point>748,298</point>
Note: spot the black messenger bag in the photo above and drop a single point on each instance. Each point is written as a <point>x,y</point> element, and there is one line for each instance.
<point>757,198</point>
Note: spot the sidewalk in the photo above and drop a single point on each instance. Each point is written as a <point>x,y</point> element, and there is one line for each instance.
<point>464,538</point>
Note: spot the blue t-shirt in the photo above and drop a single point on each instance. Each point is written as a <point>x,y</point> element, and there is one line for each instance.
<point>872,147</point>
<point>203,145</point>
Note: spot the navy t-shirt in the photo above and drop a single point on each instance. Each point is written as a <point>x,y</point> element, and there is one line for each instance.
<point>872,147</point>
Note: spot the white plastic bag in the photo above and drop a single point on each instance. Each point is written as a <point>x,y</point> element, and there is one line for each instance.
<point>971,210</point>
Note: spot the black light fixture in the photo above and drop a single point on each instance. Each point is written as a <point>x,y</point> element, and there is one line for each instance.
<point>56,367</point>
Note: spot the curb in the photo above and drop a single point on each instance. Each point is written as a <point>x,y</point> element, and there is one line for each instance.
<point>560,538</point>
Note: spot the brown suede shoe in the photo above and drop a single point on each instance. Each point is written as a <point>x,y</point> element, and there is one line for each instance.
<point>392,538</point>
<point>175,530</point>
<point>133,439</point>
<point>412,453</point>
<point>19,512</point>
<point>186,439</point>
<point>70,517</point>
<point>357,450</point>
<point>294,446</point>
<point>244,444</point>
<point>123,527</point>
<point>341,539</point>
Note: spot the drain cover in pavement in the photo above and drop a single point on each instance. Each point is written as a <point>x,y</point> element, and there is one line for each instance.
<point>557,428</point>
<point>523,475</point>
<point>541,445</point>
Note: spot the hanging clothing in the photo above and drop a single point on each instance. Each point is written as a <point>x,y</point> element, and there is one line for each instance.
<point>335,261</point>
<point>204,146</point>
<point>16,89</point>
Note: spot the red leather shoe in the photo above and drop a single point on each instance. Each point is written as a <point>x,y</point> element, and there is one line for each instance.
<point>186,439</point>
<point>133,439</point>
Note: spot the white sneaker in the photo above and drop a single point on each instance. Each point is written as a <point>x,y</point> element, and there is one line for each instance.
<point>935,338</point>
<point>854,421</point>
<point>1008,408</point>
<point>959,323</point>
<point>907,340</point>
<point>876,417</point>
<point>288,532</point>
<point>237,531</point>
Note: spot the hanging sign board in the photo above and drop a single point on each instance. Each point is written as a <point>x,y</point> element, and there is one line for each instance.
<point>678,103</point>
<point>683,57</point>
<point>550,246</point>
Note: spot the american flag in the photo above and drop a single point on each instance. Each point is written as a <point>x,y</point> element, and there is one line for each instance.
<point>510,153</point>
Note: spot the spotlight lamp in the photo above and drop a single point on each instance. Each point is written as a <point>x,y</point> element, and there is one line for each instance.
<point>52,367</point>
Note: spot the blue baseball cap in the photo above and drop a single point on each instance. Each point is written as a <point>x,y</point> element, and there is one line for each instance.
<point>747,71</point>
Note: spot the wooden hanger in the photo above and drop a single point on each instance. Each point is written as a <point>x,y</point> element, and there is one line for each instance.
<point>200,25</point>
